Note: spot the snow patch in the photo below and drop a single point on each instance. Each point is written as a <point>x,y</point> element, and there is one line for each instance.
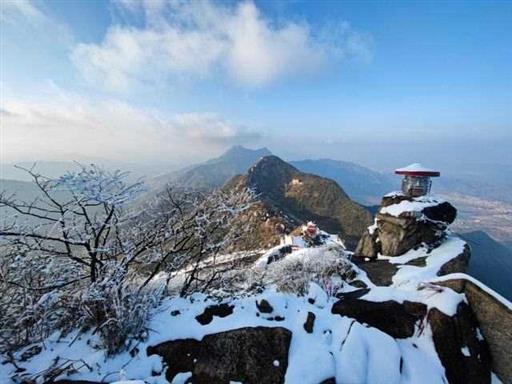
<point>416,205</point>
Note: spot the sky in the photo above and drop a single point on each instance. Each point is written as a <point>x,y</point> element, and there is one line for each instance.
<point>381,83</point>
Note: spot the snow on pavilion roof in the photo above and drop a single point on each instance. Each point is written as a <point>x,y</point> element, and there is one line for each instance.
<point>416,169</point>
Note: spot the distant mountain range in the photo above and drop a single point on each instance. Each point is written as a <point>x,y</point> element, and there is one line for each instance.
<point>360,183</point>
<point>214,173</point>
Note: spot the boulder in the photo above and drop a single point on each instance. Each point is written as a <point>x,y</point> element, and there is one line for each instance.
<point>310,322</point>
<point>219,310</point>
<point>380,272</point>
<point>444,212</point>
<point>424,221</point>
<point>247,355</point>
<point>464,355</point>
<point>457,264</point>
<point>396,319</point>
<point>264,306</point>
<point>397,235</point>
<point>368,246</point>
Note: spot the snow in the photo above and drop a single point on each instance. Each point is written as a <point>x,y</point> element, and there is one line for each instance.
<point>128,382</point>
<point>394,194</point>
<point>317,295</point>
<point>372,228</point>
<point>495,379</point>
<point>465,351</point>
<point>416,205</point>
<point>181,378</point>
<point>415,167</point>
<point>337,347</point>
<point>410,274</point>
<point>445,300</point>
<point>479,284</point>
<point>273,254</point>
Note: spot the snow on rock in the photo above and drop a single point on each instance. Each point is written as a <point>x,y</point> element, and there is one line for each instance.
<point>337,347</point>
<point>181,378</point>
<point>272,255</point>
<point>415,167</point>
<point>480,285</point>
<point>129,382</point>
<point>331,346</point>
<point>416,204</point>
<point>317,296</point>
<point>362,359</point>
<point>452,247</point>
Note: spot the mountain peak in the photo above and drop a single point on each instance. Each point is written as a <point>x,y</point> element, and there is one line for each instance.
<point>301,197</point>
<point>272,161</point>
<point>241,151</point>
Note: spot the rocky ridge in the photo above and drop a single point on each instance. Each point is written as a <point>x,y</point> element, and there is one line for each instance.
<point>433,329</point>
<point>288,198</point>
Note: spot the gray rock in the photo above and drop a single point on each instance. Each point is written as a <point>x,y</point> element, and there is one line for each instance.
<point>457,264</point>
<point>396,319</point>
<point>219,310</point>
<point>246,355</point>
<point>397,235</point>
<point>394,236</point>
<point>450,336</point>
<point>495,321</point>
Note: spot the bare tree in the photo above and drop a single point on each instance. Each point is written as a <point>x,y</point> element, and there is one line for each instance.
<point>79,255</point>
<point>187,227</point>
<point>77,225</point>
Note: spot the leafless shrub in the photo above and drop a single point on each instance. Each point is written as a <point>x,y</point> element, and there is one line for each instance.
<point>87,259</point>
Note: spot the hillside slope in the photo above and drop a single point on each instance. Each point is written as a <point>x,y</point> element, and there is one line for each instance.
<point>362,184</point>
<point>302,197</point>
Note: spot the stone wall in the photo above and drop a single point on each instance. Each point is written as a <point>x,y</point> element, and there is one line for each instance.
<point>495,320</point>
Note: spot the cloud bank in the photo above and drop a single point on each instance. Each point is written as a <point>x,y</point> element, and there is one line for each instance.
<point>200,39</point>
<point>70,125</point>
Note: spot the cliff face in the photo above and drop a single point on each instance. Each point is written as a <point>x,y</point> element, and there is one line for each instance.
<point>298,197</point>
<point>494,317</point>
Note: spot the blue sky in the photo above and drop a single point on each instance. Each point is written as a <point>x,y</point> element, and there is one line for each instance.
<point>363,81</point>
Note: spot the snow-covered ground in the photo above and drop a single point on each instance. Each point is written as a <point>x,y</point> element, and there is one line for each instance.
<point>338,346</point>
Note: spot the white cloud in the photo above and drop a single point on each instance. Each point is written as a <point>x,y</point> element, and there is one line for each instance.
<point>13,10</point>
<point>202,38</point>
<point>71,125</point>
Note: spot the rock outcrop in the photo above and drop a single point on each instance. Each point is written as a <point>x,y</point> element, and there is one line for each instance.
<point>396,319</point>
<point>403,223</point>
<point>250,355</point>
<point>463,353</point>
<point>494,318</point>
